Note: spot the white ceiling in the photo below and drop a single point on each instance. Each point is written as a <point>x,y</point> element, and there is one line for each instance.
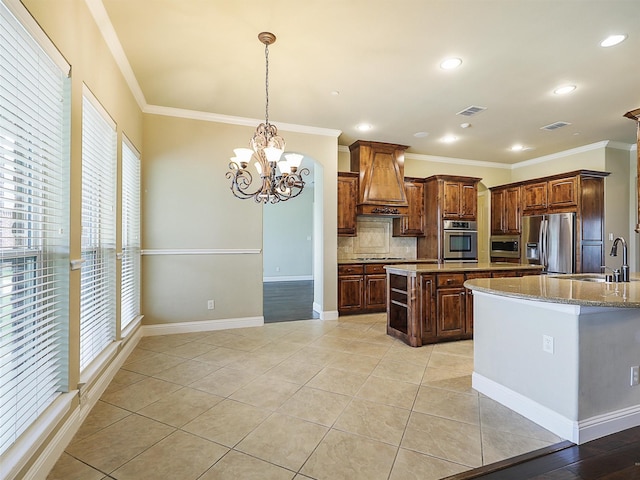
<point>383,57</point>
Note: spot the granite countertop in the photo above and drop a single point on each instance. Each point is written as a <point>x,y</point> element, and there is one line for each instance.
<point>564,289</point>
<point>459,267</point>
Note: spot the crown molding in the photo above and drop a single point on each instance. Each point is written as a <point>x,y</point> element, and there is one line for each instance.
<point>247,122</point>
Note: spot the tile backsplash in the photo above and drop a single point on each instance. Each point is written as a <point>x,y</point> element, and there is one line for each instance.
<point>374,239</point>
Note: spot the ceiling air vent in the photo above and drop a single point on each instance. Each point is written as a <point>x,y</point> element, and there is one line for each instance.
<point>472,110</point>
<point>555,126</point>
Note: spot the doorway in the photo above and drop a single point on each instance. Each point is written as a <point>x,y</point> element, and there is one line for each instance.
<point>288,255</point>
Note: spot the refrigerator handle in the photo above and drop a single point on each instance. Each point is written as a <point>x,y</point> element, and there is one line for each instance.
<point>545,247</point>
<point>541,241</point>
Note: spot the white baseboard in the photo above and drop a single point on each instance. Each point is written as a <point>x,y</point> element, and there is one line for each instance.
<point>54,449</point>
<point>288,278</point>
<point>202,326</point>
<point>577,432</point>
<point>329,315</point>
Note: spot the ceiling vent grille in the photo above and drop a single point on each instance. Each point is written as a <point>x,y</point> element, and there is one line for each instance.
<point>555,126</point>
<point>472,110</point>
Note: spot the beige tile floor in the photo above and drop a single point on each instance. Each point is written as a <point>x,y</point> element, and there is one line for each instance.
<point>295,400</point>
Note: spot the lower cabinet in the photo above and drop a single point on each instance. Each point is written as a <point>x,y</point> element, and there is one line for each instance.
<point>430,308</point>
<point>362,288</point>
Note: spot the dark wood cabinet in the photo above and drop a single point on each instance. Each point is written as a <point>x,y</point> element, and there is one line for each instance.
<point>580,192</point>
<point>350,288</point>
<point>426,307</point>
<point>563,192</point>
<point>347,198</point>
<point>411,225</point>
<point>534,198</point>
<point>460,199</point>
<point>446,197</point>
<point>427,311</point>
<point>505,210</point>
<point>362,288</point>
<point>468,328</point>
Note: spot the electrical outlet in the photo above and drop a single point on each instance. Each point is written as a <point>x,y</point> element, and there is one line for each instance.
<point>211,304</point>
<point>635,376</point>
<point>547,344</point>
<point>611,237</point>
<point>277,269</point>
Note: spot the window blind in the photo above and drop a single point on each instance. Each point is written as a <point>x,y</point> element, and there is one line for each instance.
<point>130,279</point>
<point>97,283</point>
<point>34,243</point>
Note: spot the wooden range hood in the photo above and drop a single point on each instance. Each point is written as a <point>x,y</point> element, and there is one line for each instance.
<point>381,169</point>
<point>635,115</point>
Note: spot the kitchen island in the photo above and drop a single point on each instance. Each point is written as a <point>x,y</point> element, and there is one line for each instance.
<point>560,350</point>
<point>428,303</point>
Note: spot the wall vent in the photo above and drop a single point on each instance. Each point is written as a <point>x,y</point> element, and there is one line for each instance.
<point>555,126</point>
<point>472,110</point>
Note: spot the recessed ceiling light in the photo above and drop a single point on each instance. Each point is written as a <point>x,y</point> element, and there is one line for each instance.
<point>364,127</point>
<point>517,147</point>
<point>563,90</point>
<point>420,134</point>
<point>450,63</point>
<point>335,93</point>
<point>465,125</point>
<point>612,40</point>
<point>449,138</point>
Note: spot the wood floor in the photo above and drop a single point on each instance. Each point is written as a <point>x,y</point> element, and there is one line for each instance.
<point>614,457</point>
<point>286,301</point>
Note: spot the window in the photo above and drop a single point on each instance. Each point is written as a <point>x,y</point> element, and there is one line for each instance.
<point>34,212</point>
<point>97,284</point>
<point>130,289</point>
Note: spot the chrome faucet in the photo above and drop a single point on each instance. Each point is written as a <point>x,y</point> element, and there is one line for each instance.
<point>614,253</point>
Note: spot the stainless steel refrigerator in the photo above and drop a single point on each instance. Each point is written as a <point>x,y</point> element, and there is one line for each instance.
<point>549,240</point>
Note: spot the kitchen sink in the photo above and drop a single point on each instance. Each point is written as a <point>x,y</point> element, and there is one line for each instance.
<point>585,277</point>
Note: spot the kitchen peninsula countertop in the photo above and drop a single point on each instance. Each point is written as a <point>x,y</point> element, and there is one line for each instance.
<point>564,289</point>
<point>458,267</point>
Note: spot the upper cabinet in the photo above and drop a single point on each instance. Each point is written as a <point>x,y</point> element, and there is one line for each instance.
<point>411,225</point>
<point>381,170</point>
<point>457,197</point>
<point>347,198</point>
<point>505,210</point>
<point>552,195</point>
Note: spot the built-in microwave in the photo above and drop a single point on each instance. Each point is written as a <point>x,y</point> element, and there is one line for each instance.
<point>460,241</point>
<point>505,246</point>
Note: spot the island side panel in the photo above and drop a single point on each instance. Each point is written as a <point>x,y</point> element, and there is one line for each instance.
<point>508,350</point>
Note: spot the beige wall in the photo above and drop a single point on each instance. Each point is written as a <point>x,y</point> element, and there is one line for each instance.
<point>187,204</point>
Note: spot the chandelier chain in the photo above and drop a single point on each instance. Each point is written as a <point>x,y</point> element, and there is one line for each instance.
<point>266,82</point>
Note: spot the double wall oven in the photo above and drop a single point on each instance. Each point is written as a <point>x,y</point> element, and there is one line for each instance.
<point>460,241</point>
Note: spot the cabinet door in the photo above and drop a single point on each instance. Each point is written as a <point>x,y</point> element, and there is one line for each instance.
<point>468,201</point>
<point>451,199</point>
<point>563,192</point>
<point>427,308</point>
<point>451,312</point>
<point>350,293</point>
<point>411,225</point>
<point>468,328</point>
<point>511,219</point>
<point>534,197</point>
<point>497,211</point>
<point>347,197</point>
<point>375,292</point>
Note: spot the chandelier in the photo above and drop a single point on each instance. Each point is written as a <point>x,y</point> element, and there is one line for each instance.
<point>280,179</point>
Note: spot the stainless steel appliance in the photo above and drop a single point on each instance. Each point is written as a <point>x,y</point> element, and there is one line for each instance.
<point>505,246</point>
<point>460,241</point>
<point>549,240</point>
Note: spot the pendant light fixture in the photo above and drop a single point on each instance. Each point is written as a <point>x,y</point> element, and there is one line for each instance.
<point>281,180</point>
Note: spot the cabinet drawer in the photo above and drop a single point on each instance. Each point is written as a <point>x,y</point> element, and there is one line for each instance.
<point>450,280</point>
<point>505,274</point>
<point>356,269</point>
<point>374,268</point>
